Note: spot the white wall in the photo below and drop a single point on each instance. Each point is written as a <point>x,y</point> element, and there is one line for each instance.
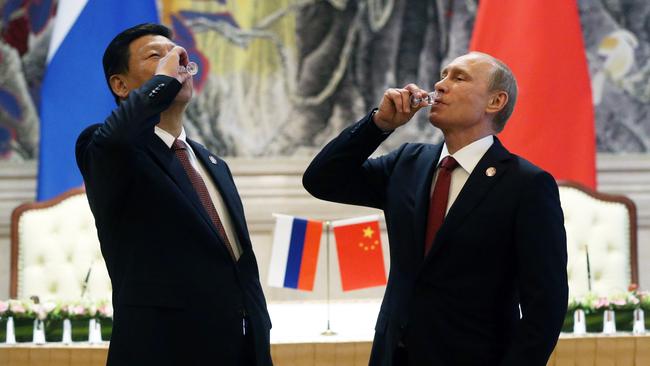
<point>269,186</point>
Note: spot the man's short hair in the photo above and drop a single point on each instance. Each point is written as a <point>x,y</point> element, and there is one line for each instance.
<point>116,56</point>
<point>502,79</point>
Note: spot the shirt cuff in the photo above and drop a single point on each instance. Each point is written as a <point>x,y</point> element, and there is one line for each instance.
<point>374,126</point>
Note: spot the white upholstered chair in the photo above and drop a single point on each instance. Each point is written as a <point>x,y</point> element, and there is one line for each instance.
<point>603,228</point>
<point>53,245</point>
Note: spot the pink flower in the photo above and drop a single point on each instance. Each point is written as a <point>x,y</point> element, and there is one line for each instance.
<point>602,302</point>
<point>77,310</point>
<point>105,310</point>
<point>4,306</point>
<point>619,302</point>
<point>17,308</point>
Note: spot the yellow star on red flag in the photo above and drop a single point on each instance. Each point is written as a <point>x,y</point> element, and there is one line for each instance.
<point>361,259</point>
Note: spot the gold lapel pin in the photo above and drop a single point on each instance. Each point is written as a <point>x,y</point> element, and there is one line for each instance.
<point>213,160</point>
<point>491,171</point>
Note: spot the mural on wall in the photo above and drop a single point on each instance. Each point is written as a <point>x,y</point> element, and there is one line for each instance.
<point>281,77</point>
<point>24,37</point>
<point>617,39</point>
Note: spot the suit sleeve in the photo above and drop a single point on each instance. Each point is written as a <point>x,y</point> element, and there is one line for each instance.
<point>342,172</point>
<point>102,150</point>
<point>135,117</point>
<point>542,278</point>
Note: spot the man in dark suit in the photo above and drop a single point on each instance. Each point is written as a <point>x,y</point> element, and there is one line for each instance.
<point>475,231</point>
<point>171,225</point>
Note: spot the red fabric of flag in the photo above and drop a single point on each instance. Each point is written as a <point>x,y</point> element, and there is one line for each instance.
<point>553,121</point>
<point>361,260</point>
<point>310,255</point>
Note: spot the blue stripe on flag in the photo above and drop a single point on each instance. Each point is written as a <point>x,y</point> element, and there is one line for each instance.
<point>74,93</point>
<point>298,230</point>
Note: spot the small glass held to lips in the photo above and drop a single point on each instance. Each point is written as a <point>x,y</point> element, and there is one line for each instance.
<point>191,68</point>
<point>429,99</point>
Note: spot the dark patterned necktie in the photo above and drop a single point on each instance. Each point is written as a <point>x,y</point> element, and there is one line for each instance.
<point>438,202</point>
<point>180,149</point>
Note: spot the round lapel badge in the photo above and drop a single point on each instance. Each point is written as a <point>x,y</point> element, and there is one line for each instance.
<point>491,171</point>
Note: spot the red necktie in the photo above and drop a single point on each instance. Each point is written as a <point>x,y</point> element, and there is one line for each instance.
<point>180,149</point>
<point>439,199</point>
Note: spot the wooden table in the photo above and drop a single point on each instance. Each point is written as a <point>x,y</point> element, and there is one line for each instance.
<point>596,350</point>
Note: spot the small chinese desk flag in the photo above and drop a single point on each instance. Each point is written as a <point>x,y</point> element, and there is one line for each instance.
<point>361,259</point>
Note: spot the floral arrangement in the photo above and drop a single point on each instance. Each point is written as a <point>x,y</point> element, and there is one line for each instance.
<point>633,299</point>
<point>17,309</point>
<point>52,314</point>
<point>73,310</point>
<point>4,306</point>
<point>644,301</point>
<point>104,310</point>
<point>622,304</point>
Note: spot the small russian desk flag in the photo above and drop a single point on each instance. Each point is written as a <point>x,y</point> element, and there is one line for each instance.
<point>294,256</point>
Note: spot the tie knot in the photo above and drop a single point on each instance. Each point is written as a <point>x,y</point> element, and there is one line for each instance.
<point>449,163</point>
<point>179,145</point>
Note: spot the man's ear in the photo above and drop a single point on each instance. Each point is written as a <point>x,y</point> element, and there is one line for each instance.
<point>119,86</point>
<point>497,102</point>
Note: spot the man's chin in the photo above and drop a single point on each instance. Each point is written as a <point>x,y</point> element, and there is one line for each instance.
<point>435,120</point>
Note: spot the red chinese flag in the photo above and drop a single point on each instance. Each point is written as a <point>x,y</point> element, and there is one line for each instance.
<point>553,121</point>
<point>361,260</point>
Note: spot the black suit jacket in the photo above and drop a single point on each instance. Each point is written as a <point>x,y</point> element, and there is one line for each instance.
<point>502,244</point>
<point>179,298</point>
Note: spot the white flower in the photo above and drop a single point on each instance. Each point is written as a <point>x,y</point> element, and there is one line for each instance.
<point>49,306</point>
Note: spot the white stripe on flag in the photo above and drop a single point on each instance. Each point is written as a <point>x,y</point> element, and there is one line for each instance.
<point>355,220</point>
<point>66,14</point>
<point>280,250</point>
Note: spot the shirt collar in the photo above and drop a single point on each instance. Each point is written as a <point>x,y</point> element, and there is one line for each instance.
<point>168,138</point>
<point>469,156</point>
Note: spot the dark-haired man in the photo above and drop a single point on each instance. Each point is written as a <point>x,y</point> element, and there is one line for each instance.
<point>171,225</point>
<point>474,230</point>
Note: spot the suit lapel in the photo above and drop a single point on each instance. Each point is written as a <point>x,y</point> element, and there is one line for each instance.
<point>172,166</point>
<point>219,173</point>
<point>427,163</point>
<point>477,186</point>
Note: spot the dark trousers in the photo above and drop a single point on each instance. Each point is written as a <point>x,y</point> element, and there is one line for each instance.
<point>401,356</point>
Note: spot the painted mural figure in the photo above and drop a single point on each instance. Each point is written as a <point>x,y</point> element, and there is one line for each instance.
<point>297,71</point>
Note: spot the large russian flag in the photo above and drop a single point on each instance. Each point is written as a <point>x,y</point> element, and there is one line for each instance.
<point>294,256</point>
<point>74,93</point>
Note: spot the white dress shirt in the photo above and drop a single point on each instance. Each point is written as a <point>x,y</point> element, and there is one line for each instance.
<point>215,196</point>
<point>467,158</point>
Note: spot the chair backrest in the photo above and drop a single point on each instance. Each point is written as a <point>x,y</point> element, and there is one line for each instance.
<point>54,245</point>
<point>601,240</point>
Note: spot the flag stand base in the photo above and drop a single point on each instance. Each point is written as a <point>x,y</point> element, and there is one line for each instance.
<point>329,332</point>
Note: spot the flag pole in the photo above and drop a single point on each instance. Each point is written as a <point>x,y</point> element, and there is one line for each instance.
<point>588,268</point>
<point>328,224</point>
